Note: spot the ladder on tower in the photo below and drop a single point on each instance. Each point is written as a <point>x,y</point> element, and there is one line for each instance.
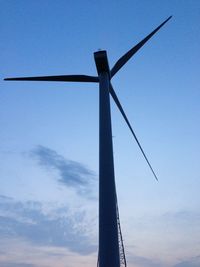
<point>122,256</point>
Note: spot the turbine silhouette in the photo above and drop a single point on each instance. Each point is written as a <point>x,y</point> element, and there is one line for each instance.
<point>109,228</point>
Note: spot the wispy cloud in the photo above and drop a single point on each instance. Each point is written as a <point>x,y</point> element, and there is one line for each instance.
<point>70,173</point>
<point>27,254</point>
<point>164,239</point>
<point>142,261</point>
<point>192,262</point>
<point>183,216</point>
<point>27,220</point>
<point>148,262</point>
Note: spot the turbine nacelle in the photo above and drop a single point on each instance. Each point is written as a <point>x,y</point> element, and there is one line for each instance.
<point>101,61</point>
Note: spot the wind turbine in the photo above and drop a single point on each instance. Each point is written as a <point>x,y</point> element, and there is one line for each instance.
<point>109,251</point>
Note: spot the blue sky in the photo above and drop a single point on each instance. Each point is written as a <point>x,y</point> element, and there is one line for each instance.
<point>49,132</point>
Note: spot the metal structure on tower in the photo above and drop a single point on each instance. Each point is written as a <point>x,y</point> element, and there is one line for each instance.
<point>122,255</point>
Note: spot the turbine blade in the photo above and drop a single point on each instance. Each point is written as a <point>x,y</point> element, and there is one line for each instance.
<point>116,100</point>
<point>59,78</point>
<point>120,63</point>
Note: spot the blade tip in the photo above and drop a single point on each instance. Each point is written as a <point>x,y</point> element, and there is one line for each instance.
<point>9,79</point>
<point>169,17</point>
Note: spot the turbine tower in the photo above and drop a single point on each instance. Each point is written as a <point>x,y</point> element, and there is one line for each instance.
<point>110,236</point>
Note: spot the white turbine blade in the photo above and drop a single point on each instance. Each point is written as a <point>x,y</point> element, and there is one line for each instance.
<point>116,100</point>
<point>58,78</point>
<point>122,61</point>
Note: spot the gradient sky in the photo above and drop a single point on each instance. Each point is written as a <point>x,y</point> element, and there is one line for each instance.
<point>49,132</point>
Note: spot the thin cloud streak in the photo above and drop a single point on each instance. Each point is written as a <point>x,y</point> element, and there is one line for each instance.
<point>14,264</point>
<point>142,261</point>
<point>192,262</point>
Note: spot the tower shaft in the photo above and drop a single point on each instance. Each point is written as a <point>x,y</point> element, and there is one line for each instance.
<point>108,227</point>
